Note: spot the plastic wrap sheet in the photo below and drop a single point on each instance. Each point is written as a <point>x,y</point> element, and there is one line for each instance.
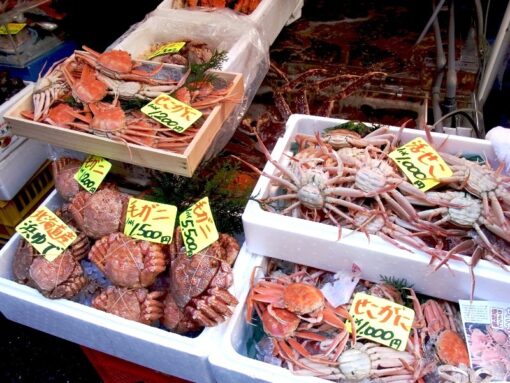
<point>222,30</point>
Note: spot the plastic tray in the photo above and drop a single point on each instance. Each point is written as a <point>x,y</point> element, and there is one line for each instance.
<point>316,244</point>
<point>147,346</point>
<point>270,16</point>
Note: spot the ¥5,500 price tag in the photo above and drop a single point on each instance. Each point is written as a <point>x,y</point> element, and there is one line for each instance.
<point>167,49</point>
<point>420,163</point>
<point>150,221</point>
<point>11,28</point>
<point>197,227</point>
<point>92,172</point>
<point>171,112</point>
<point>46,232</point>
<point>381,320</point>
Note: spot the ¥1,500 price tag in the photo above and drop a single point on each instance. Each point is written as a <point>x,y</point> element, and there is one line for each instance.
<point>381,320</point>
<point>197,227</point>
<point>46,232</point>
<point>167,49</point>
<point>171,112</point>
<point>11,28</point>
<point>92,172</point>
<point>150,221</point>
<point>420,163</point>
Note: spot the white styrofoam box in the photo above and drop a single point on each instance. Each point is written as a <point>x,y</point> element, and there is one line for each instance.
<point>4,129</point>
<point>316,244</point>
<point>20,163</point>
<point>270,16</point>
<point>148,346</point>
<point>232,365</point>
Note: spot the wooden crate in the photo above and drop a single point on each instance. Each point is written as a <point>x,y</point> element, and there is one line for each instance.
<point>182,164</point>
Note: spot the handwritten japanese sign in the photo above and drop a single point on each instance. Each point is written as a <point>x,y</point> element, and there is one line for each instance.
<point>11,28</point>
<point>420,163</point>
<point>171,112</point>
<point>47,233</point>
<point>381,320</point>
<point>92,172</point>
<point>197,227</point>
<point>150,221</point>
<point>167,49</point>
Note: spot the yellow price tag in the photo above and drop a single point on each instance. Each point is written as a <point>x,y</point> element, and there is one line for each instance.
<point>46,232</point>
<point>150,221</point>
<point>92,172</point>
<point>167,48</point>
<point>171,112</point>
<point>11,28</point>
<point>420,163</point>
<point>197,227</point>
<point>381,320</point>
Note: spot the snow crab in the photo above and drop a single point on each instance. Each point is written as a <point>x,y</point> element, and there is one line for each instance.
<point>128,262</point>
<point>47,90</point>
<point>64,170</point>
<point>87,88</point>
<point>61,278</point>
<point>138,305</point>
<point>198,293</point>
<point>98,214</point>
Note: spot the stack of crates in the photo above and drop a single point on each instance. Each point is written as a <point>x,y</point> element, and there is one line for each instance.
<point>12,212</point>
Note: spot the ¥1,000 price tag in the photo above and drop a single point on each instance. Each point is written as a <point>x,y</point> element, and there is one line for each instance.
<point>92,172</point>
<point>167,49</point>
<point>171,112</point>
<point>46,232</point>
<point>197,227</point>
<point>11,28</point>
<point>381,320</point>
<point>150,221</point>
<point>420,163</point>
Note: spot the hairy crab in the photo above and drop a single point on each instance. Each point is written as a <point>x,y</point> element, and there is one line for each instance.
<point>139,304</point>
<point>61,278</point>
<point>128,262</point>
<point>64,170</point>
<point>198,293</point>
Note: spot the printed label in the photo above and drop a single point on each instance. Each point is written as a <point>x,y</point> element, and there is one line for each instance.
<point>11,28</point>
<point>171,112</point>
<point>197,227</point>
<point>167,48</point>
<point>92,172</point>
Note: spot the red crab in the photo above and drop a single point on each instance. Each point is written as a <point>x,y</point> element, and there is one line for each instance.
<point>64,170</point>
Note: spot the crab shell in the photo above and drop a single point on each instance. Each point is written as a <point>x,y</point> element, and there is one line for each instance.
<point>61,278</point>
<point>128,262</point>
<point>99,214</point>
<point>451,349</point>
<point>63,171</point>
<point>139,305</point>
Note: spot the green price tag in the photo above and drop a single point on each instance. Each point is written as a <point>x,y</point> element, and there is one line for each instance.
<point>422,165</point>
<point>197,227</point>
<point>381,320</point>
<point>92,172</point>
<point>150,221</point>
<point>46,232</point>
<point>11,28</point>
<point>167,48</point>
<point>171,112</point>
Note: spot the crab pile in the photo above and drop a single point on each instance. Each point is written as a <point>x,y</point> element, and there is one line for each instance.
<point>193,52</point>
<point>242,6</point>
<point>344,179</point>
<point>142,281</point>
<point>102,93</point>
<point>305,333</point>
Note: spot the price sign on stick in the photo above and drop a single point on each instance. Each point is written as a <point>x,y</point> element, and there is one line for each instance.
<point>197,227</point>
<point>381,320</point>
<point>46,232</point>
<point>167,49</point>
<point>11,28</point>
<point>150,221</point>
<point>92,172</point>
<point>171,112</point>
<point>420,163</point>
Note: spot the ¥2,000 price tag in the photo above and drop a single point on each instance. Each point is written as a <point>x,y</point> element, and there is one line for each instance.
<point>150,221</point>
<point>46,232</point>
<point>381,320</point>
<point>167,48</point>
<point>197,227</point>
<point>171,112</point>
<point>11,28</point>
<point>420,163</point>
<point>92,172</point>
